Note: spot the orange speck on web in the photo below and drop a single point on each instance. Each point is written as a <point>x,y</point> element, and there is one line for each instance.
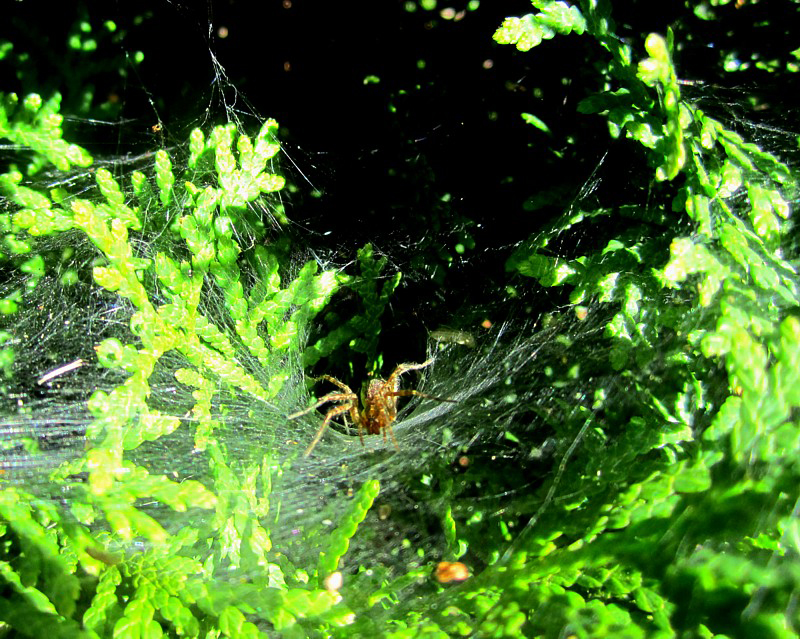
<point>448,571</point>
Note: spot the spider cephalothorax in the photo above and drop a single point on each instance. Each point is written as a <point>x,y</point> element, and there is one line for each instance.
<point>380,404</point>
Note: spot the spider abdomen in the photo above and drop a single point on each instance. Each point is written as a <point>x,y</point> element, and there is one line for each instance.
<point>372,426</point>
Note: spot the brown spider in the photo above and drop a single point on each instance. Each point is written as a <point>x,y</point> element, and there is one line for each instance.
<point>380,404</point>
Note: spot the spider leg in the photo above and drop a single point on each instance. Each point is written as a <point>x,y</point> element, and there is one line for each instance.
<point>332,397</point>
<point>333,412</point>
<point>391,433</point>
<point>388,409</point>
<point>404,368</point>
<point>335,381</point>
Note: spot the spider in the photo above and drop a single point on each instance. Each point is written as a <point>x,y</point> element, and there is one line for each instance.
<point>380,404</point>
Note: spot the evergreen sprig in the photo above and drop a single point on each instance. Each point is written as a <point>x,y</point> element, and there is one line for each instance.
<point>195,221</point>
<point>361,331</point>
<point>619,559</point>
<point>35,124</point>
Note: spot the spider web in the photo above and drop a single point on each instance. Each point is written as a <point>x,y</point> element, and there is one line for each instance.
<point>505,362</point>
<point>492,377</point>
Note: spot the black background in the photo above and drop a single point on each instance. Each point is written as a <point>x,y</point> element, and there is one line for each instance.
<point>420,160</point>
